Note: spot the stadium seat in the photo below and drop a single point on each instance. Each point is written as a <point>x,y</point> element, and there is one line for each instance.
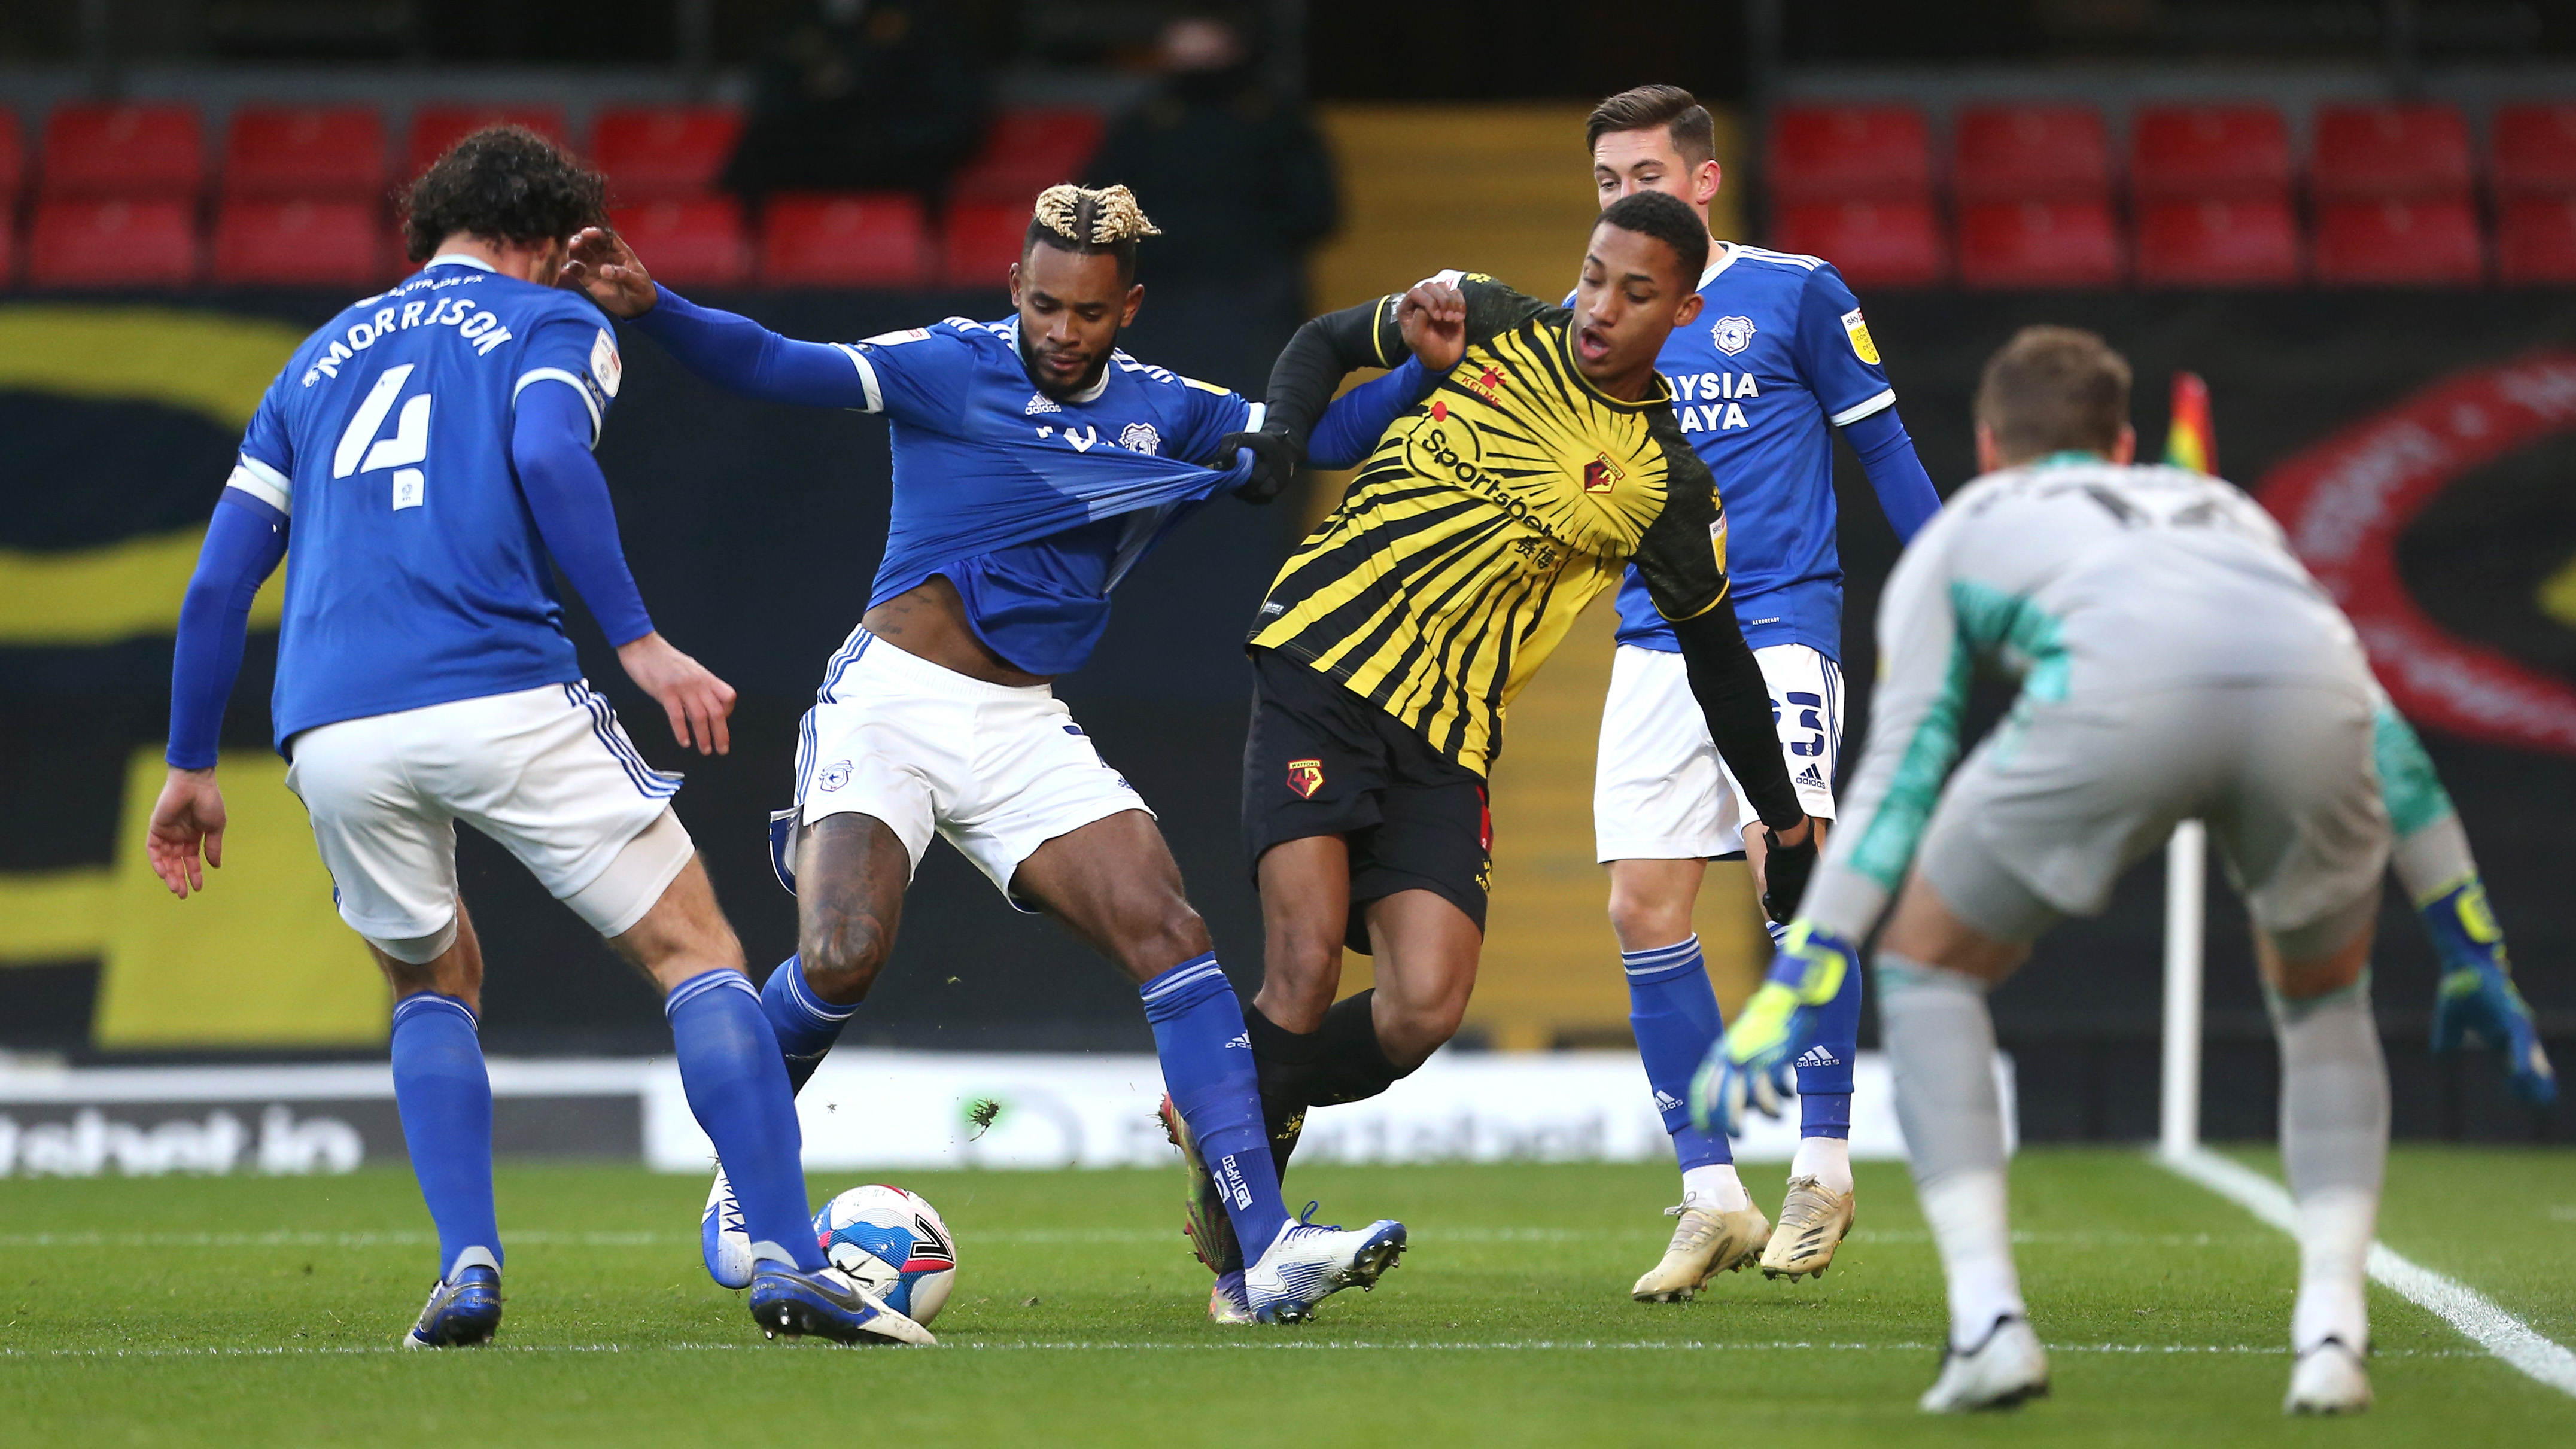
<point>2534,150</point>
<point>849,239</point>
<point>2190,152</point>
<point>2038,244</point>
<point>1873,243</point>
<point>311,152</point>
<point>262,241</point>
<point>435,128</point>
<point>8,250</point>
<point>81,242</point>
<point>1027,151</point>
<point>696,242</point>
<point>2536,241</point>
<point>2371,153</point>
<point>651,152</point>
<point>980,242</point>
<point>2399,243</point>
<point>2031,153</point>
<point>1849,153</point>
<point>2214,243</point>
<point>123,151</point>
<point>13,162</point>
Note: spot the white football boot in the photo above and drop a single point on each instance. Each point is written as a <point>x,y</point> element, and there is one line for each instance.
<point>1813,1220</point>
<point>2328,1379</point>
<point>1706,1241</point>
<point>1310,1262</point>
<point>2008,1367</point>
<point>722,1239</point>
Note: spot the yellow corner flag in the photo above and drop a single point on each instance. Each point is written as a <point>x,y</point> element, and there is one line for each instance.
<point>2191,442</point>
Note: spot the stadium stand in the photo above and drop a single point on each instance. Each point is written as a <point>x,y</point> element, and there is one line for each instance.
<point>2399,243</point>
<point>981,241</point>
<point>697,241</point>
<point>1849,153</point>
<point>2225,152</point>
<point>1873,243</point>
<point>2534,150</point>
<point>856,239</point>
<point>1026,151</point>
<point>8,247</point>
<point>309,152</point>
<point>123,151</point>
<point>2536,241</point>
<point>2005,244</point>
<point>266,241</point>
<point>13,166</point>
<point>435,128</point>
<point>2030,153</point>
<point>653,153</point>
<point>89,242</point>
<point>2215,242</point>
<point>2371,153</point>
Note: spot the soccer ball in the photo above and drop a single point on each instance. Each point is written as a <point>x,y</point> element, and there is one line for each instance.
<point>894,1244</point>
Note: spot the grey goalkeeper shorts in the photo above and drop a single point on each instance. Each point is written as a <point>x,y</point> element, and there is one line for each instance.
<point>2061,798</point>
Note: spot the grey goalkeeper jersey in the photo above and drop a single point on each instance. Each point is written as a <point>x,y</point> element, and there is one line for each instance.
<point>2089,582</point>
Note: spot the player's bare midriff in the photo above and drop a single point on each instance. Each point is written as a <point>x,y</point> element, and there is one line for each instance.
<point>928,621</point>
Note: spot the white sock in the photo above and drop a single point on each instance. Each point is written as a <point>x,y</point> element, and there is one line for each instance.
<point>2334,1143</point>
<point>1826,1159</point>
<point>1716,1187</point>
<point>1966,1211</point>
<point>2335,1229</point>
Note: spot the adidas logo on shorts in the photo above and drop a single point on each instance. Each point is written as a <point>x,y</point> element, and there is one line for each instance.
<point>1817,1056</point>
<point>1812,776</point>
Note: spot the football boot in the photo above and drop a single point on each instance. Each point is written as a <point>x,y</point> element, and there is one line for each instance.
<point>1203,1217</point>
<point>1309,1262</point>
<point>464,1310</point>
<point>1998,1373</point>
<point>1813,1220</point>
<point>791,1302</point>
<point>1706,1242</point>
<point>2328,1379</point>
<point>722,1239</point>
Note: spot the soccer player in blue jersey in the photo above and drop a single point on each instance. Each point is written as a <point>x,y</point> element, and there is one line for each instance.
<point>425,456</point>
<point>1034,464</point>
<point>1778,359</point>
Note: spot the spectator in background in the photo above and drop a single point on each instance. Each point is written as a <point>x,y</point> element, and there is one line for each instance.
<point>861,95</point>
<point>1233,169</point>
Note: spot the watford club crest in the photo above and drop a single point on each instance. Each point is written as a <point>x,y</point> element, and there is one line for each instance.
<point>1305,777</point>
<point>1601,475</point>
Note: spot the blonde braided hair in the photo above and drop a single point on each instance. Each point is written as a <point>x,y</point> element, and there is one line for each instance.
<point>1088,217</point>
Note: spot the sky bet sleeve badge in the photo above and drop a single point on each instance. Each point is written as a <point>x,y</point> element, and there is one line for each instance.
<point>1858,330</point>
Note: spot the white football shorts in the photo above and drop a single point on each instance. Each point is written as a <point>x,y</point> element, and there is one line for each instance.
<point>1659,791</point>
<point>547,772</point>
<point>997,770</point>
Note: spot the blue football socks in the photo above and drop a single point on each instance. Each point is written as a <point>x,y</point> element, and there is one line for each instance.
<point>445,1098</point>
<point>737,1089</point>
<point>1825,1068</point>
<point>1673,1011</point>
<point>1208,1066</point>
<point>806,1024</point>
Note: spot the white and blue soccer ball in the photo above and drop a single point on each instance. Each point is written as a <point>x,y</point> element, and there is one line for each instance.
<point>894,1243</point>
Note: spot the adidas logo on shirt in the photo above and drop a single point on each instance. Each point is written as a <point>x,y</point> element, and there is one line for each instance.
<point>1242,1039</point>
<point>1817,1056</point>
<point>1039,403</point>
<point>1666,1101</point>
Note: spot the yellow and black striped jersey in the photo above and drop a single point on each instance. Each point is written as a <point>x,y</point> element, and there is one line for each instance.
<point>1487,517</point>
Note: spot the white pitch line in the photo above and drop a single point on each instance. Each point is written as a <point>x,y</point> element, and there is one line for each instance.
<point>1275,1345</point>
<point>2481,1318</point>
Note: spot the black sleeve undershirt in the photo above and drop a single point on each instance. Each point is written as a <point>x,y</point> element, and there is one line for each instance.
<point>1323,352</point>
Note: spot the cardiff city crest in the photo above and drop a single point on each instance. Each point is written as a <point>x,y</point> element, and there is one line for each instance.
<point>1732,334</point>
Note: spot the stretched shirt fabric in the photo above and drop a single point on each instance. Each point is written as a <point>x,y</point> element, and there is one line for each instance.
<point>2087,581</point>
<point>386,450</point>
<point>1779,357</point>
<point>1491,512</point>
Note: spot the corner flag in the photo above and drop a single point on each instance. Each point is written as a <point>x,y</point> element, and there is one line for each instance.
<point>2190,441</point>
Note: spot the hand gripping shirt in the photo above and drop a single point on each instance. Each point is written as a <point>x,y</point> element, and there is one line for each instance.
<point>1490,513</point>
<point>1034,507</point>
<point>416,573</point>
<point>1779,358</point>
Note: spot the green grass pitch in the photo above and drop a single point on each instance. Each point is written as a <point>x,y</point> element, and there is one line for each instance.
<point>264,1311</point>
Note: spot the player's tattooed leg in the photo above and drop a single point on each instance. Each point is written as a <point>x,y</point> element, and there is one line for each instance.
<point>851,871</point>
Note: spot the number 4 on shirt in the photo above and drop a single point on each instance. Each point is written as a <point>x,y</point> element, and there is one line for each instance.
<point>408,445</point>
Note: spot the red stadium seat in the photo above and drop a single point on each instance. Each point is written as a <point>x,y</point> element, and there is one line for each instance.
<point>435,128</point>
<point>650,152</point>
<point>13,162</point>
<point>696,242</point>
<point>313,152</point>
<point>846,239</point>
<point>128,151</point>
<point>2534,150</point>
<point>2038,244</point>
<point>1025,152</point>
<point>2368,153</point>
<point>267,242</point>
<point>88,243</point>
<point>980,242</point>
<point>1873,243</point>
<point>8,249</point>
<point>2204,151</point>
<point>2536,241</point>
<point>2031,153</point>
<point>1849,153</point>
<point>2214,243</point>
<point>2399,243</point>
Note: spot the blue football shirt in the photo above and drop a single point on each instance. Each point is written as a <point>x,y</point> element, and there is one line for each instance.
<point>1034,507</point>
<point>415,574</point>
<point>1779,357</point>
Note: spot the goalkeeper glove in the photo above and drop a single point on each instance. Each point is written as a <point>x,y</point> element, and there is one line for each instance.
<point>1755,1063</point>
<point>2476,1001</point>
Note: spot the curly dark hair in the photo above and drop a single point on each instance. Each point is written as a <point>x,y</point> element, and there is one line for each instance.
<point>503,183</point>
